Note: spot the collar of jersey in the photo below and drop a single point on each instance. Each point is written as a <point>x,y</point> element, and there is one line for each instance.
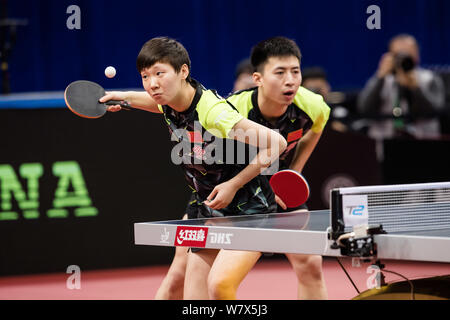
<point>259,113</point>
<point>198,94</point>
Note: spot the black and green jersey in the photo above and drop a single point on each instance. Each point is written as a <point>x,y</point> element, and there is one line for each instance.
<point>197,134</point>
<point>308,111</point>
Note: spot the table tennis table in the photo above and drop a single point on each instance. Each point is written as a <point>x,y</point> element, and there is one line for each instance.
<point>398,222</point>
<point>287,233</point>
<point>416,216</point>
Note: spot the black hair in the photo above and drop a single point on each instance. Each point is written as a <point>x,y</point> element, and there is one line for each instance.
<point>314,73</point>
<point>273,47</point>
<point>245,66</point>
<point>165,50</point>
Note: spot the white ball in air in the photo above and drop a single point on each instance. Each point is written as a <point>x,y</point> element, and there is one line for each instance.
<point>110,72</point>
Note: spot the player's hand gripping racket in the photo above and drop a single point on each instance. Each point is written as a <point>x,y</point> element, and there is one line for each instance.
<point>82,99</point>
<point>291,187</point>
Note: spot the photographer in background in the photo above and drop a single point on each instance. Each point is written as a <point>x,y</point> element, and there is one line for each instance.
<point>315,79</point>
<point>405,98</point>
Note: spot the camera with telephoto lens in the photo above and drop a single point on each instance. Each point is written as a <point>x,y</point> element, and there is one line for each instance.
<point>405,62</point>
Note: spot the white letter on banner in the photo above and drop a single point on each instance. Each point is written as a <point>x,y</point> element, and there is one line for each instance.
<point>373,21</point>
<point>73,21</point>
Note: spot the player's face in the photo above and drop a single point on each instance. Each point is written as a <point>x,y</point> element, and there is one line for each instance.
<point>162,83</point>
<point>280,79</point>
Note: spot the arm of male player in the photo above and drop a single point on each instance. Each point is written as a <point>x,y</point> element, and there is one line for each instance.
<point>270,144</point>
<point>303,151</point>
<point>137,99</point>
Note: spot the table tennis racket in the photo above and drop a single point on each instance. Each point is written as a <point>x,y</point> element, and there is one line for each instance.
<point>82,99</point>
<point>291,187</point>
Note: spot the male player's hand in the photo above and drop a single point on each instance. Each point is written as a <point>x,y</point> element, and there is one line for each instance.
<point>222,195</point>
<point>280,202</point>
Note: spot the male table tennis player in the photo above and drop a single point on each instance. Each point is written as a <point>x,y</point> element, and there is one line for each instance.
<point>278,102</point>
<point>218,189</point>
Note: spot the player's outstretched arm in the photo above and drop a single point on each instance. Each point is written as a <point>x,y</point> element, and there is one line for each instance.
<point>270,145</point>
<point>137,99</point>
<point>304,149</point>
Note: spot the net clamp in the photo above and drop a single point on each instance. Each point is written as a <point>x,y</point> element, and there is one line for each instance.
<point>360,242</point>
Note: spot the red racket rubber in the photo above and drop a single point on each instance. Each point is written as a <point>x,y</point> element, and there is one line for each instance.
<point>291,187</point>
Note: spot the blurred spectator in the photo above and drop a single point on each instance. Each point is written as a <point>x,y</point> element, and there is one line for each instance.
<point>315,79</point>
<point>405,97</point>
<point>243,76</point>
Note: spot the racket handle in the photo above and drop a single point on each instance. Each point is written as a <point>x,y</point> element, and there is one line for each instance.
<point>123,104</point>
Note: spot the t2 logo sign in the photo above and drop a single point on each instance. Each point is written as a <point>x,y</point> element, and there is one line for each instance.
<point>356,210</point>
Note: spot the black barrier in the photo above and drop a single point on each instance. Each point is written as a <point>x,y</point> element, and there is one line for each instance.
<point>416,161</point>
<point>71,189</point>
<point>341,159</point>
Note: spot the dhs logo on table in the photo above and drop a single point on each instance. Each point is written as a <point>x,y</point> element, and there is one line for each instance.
<point>191,236</point>
<point>220,238</point>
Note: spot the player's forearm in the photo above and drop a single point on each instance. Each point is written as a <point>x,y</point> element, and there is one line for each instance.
<point>304,150</point>
<point>263,159</point>
<point>270,145</point>
<point>141,100</point>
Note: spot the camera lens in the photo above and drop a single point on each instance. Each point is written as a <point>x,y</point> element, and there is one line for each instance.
<point>405,62</point>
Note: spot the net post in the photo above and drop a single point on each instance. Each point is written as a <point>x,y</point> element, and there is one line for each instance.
<point>337,217</point>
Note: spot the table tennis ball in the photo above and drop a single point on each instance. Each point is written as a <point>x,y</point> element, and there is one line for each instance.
<point>110,72</point>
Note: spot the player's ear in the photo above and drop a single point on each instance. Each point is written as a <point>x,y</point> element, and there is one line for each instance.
<point>257,78</point>
<point>184,71</point>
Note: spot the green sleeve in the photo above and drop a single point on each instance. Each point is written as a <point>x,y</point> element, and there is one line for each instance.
<point>216,115</point>
<point>242,102</point>
<point>314,106</point>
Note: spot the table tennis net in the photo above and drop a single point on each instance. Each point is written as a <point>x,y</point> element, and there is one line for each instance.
<point>407,208</point>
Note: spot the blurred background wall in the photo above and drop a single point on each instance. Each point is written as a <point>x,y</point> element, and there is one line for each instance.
<point>217,33</point>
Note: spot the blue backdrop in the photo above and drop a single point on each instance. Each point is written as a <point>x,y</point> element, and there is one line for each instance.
<point>217,34</point>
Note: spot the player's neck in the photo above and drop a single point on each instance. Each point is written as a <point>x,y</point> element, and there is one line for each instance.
<point>183,100</point>
<point>270,109</point>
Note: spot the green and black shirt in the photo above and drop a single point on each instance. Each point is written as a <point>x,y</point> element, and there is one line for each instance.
<point>308,111</point>
<point>198,134</point>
